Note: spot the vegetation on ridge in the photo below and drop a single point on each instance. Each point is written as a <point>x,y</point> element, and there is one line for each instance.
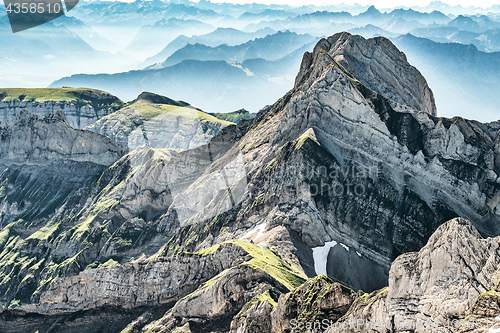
<point>65,94</point>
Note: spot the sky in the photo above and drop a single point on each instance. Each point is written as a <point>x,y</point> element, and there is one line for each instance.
<point>377,3</point>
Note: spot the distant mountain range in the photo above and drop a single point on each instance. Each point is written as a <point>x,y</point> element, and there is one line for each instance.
<point>151,38</point>
<point>259,44</point>
<point>215,86</point>
<point>271,47</point>
<point>462,77</point>
<point>228,36</point>
<point>37,56</point>
<point>217,79</point>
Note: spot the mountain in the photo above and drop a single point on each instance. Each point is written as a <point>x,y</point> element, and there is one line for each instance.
<point>486,23</point>
<point>37,56</point>
<point>220,86</point>
<point>488,41</point>
<point>370,31</point>
<point>350,174</point>
<point>228,36</point>
<point>88,34</point>
<point>462,77</point>
<point>315,23</point>
<point>448,284</point>
<point>151,39</point>
<point>446,35</point>
<point>425,18</point>
<point>400,20</point>
<point>402,26</point>
<point>234,116</point>
<point>81,106</point>
<point>465,23</point>
<point>265,15</point>
<point>271,47</point>
<point>138,13</point>
<point>159,122</point>
<point>50,161</point>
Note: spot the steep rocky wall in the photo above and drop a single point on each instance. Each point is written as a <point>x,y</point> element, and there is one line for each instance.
<point>84,107</point>
<point>435,289</point>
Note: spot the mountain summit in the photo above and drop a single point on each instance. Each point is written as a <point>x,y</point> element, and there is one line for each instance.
<point>376,63</point>
<point>343,176</point>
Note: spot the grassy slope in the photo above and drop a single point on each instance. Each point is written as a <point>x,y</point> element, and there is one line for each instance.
<point>150,111</point>
<point>46,94</point>
<point>234,116</point>
<point>281,269</point>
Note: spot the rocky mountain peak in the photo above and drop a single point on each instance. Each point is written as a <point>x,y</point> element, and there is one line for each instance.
<point>25,117</point>
<point>377,64</point>
<point>152,98</point>
<point>59,115</point>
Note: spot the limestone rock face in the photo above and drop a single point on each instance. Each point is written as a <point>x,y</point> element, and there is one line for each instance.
<point>44,161</point>
<point>82,107</point>
<point>338,177</point>
<point>158,122</point>
<point>135,284</point>
<point>32,139</point>
<point>355,177</point>
<point>379,65</point>
<point>436,288</point>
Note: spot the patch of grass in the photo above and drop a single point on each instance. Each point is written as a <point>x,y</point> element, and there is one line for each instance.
<point>99,208</point>
<point>150,111</point>
<point>308,135</point>
<point>46,94</point>
<point>4,235</point>
<point>283,271</point>
<point>263,258</point>
<point>209,251</point>
<point>234,116</point>
<point>14,304</point>
<point>46,231</point>
<point>109,263</point>
<point>122,243</point>
<point>264,297</point>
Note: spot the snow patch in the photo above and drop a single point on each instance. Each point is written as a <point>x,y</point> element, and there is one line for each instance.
<point>251,233</point>
<point>344,246</point>
<point>359,254</point>
<point>320,256</point>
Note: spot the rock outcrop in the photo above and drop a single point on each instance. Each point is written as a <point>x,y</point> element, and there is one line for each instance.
<point>356,178</point>
<point>435,289</point>
<point>44,161</point>
<point>154,281</point>
<point>158,122</point>
<point>339,177</point>
<point>376,63</point>
<point>31,139</point>
<point>81,106</point>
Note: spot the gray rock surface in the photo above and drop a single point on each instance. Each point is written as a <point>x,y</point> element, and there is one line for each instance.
<point>379,65</point>
<point>136,284</point>
<point>436,288</point>
<point>401,173</point>
<point>273,181</point>
<point>157,125</point>
<point>85,106</point>
<point>31,139</point>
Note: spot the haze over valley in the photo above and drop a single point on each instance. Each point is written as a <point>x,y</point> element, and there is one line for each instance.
<point>222,57</point>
